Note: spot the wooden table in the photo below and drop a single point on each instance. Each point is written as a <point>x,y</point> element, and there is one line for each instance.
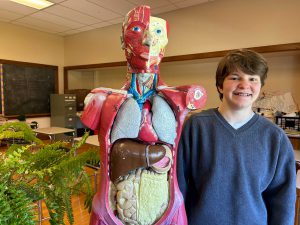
<point>297,155</point>
<point>53,131</point>
<point>295,140</point>
<point>91,140</point>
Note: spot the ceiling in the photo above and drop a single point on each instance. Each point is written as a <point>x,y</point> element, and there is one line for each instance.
<point>67,17</point>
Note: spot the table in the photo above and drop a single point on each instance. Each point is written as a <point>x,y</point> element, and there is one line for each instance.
<point>297,155</point>
<point>53,131</point>
<point>92,140</point>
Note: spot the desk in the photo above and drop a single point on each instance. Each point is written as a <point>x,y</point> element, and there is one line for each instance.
<point>92,140</point>
<point>53,131</point>
<point>297,155</point>
<point>295,140</point>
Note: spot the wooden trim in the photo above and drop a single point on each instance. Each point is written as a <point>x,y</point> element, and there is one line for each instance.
<point>99,65</point>
<point>29,115</point>
<point>66,82</point>
<point>204,55</point>
<point>5,61</point>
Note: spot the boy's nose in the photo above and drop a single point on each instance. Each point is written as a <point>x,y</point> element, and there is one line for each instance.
<point>243,83</point>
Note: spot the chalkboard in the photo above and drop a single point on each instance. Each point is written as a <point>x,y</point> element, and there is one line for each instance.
<point>26,88</point>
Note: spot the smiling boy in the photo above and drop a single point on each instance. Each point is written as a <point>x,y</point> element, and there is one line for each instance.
<point>234,166</point>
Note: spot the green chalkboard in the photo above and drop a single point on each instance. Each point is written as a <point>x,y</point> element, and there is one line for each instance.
<point>26,88</point>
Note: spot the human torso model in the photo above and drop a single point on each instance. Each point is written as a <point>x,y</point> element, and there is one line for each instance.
<point>139,128</point>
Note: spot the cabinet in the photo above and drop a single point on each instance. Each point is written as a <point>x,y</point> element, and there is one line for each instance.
<point>63,110</point>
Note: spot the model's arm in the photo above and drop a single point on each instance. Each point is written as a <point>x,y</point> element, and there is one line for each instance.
<point>93,106</point>
<point>280,196</point>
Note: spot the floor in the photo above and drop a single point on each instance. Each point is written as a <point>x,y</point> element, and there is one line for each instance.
<point>81,215</point>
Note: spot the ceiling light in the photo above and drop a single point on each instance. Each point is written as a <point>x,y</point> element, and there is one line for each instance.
<point>37,4</point>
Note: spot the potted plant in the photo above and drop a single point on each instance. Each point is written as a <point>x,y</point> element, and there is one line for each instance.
<point>17,133</point>
<point>46,173</point>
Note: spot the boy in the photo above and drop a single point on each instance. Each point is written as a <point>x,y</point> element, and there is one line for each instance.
<point>235,167</point>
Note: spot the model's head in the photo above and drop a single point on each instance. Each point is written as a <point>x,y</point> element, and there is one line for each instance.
<point>244,60</point>
<point>144,39</point>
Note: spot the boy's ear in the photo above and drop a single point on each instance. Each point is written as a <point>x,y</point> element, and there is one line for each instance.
<point>220,90</point>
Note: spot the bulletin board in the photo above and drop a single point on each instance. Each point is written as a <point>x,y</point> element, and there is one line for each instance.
<point>26,88</point>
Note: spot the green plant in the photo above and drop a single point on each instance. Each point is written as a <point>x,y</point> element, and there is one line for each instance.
<point>49,173</point>
<point>18,131</point>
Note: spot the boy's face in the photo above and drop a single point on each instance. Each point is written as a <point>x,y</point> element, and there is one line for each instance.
<point>240,90</point>
<point>144,40</point>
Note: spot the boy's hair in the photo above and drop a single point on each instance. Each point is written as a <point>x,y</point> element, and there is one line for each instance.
<point>246,60</point>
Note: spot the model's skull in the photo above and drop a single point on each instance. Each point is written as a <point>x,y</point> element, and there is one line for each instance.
<point>144,39</point>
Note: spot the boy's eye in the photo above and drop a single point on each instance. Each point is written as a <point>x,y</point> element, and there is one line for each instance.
<point>233,78</point>
<point>254,79</point>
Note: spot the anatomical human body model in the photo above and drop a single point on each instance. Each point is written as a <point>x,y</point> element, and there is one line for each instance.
<point>139,128</point>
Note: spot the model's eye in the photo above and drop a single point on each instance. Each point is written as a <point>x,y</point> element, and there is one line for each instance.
<point>136,29</point>
<point>158,31</point>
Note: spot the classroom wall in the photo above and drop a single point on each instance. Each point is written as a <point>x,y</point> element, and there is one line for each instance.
<point>213,26</point>
<point>27,45</point>
<point>283,76</point>
<point>22,44</point>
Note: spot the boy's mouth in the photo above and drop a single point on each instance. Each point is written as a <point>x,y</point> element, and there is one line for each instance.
<point>242,94</point>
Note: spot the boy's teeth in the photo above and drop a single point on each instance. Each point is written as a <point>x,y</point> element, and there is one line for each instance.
<point>242,94</point>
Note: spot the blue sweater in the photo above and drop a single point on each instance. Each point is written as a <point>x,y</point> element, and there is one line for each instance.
<point>236,177</point>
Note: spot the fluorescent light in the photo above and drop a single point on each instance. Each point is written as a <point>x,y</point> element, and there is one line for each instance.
<point>37,4</point>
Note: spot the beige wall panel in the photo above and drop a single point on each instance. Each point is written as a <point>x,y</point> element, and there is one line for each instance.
<point>214,26</point>
<point>229,24</point>
<point>22,44</point>
<point>96,46</point>
<point>283,76</point>
<point>27,45</point>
